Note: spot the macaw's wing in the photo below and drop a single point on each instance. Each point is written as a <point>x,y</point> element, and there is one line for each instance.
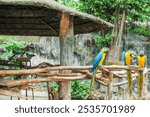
<point>123,58</point>
<point>97,60</point>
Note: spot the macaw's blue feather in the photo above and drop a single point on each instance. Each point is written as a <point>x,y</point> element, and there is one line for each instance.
<point>123,56</point>
<point>97,60</point>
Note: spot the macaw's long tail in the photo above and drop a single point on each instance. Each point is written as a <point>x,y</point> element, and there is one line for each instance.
<point>140,83</point>
<point>92,80</point>
<point>129,76</point>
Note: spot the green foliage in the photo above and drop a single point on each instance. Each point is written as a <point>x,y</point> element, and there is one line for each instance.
<point>139,30</point>
<point>10,46</point>
<point>79,89</point>
<point>103,41</point>
<point>55,86</point>
<point>70,3</point>
<point>136,10</point>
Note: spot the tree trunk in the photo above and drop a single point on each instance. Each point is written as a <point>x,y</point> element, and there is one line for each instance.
<point>66,51</point>
<point>115,49</point>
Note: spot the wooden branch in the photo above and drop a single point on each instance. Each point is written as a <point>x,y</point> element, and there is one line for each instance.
<point>115,67</point>
<point>10,93</point>
<point>105,84</point>
<point>122,83</point>
<point>50,75</point>
<point>97,77</point>
<point>39,80</point>
<point>40,70</point>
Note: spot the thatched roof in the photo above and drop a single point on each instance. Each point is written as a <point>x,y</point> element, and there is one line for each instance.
<point>42,18</point>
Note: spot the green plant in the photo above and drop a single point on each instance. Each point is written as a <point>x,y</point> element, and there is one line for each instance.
<point>10,47</point>
<point>79,89</point>
<point>102,41</point>
<point>139,30</point>
<point>55,86</point>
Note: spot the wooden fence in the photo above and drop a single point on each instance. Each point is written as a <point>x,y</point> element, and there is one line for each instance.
<point>104,76</point>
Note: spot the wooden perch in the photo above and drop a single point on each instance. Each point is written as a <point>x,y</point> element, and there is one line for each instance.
<point>115,67</point>
<point>105,84</point>
<point>48,69</point>
<point>39,80</point>
<point>50,75</point>
<point>122,83</point>
<point>10,93</point>
<point>41,70</point>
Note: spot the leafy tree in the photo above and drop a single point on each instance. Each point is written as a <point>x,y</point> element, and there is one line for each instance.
<point>136,10</point>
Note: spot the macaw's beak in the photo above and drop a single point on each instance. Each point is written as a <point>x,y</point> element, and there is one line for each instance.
<point>106,51</point>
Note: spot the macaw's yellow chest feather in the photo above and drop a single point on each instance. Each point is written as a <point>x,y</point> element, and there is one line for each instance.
<point>141,61</point>
<point>128,59</point>
<point>103,58</point>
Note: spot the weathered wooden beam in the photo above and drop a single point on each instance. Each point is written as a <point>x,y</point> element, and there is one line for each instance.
<point>50,75</point>
<point>110,87</point>
<point>40,70</point>
<point>115,67</point>
<point>145,82</point>
<point>66,35</point>
<point>102,83</point>
<point>47,69</point>
<point>39,80</point>
<point>10,93</point>
<point>122,83</point>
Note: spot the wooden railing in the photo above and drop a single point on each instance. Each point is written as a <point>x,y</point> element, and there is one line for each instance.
<point>104,76</point>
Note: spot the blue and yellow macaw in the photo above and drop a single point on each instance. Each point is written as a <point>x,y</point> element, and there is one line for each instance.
<point>99,60</point>
<point>128,57</point>
<point>141,60</point>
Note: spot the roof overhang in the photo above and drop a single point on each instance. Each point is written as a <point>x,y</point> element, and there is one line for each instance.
<point>42,18</point>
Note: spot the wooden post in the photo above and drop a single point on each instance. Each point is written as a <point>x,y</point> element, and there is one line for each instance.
<point>48,91</point>
<point>66,51</point>
<point>110,87</point>
<point>145,83</point>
